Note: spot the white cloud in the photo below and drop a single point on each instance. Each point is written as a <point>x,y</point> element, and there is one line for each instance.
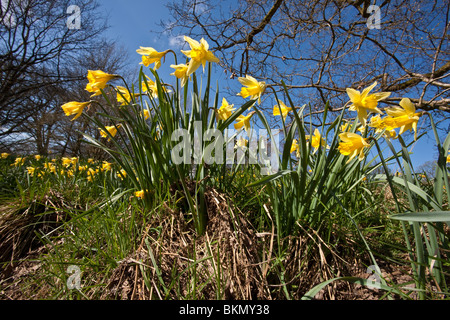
<point>176,41</point>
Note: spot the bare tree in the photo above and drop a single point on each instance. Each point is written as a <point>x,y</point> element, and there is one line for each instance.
<point>321,47</point>
<point>38,39</point>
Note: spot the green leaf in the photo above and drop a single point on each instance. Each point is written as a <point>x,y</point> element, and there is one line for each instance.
<point>433,216</point>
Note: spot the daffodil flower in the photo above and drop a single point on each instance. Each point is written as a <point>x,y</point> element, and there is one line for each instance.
<point>97,81</point>
<point>252,88</point>
<point>405,118</point>
<point>352,144</point>
<point>243,121</point>
<point>106,166</point>
<point>152,87</point>
<point>140,194</point>
<point>5,155</point>
<point>124,96</point>
<point>74,107</point>
<point>317,140</point>
<point>111,129</point>
<point>180,72</point>
<point>199,54</point>
<point>364,103</point>
<point>284,109</point>
<point>295,147</point>
<point>146,114</point>
<point>150,55</point>
<point>242,143</point>
<point>225,110</point>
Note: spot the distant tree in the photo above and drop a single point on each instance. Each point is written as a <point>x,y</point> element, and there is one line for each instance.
<point>38,40</point>
<point>428,168</point>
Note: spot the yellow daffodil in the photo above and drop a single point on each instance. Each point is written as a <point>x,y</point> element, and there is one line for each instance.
<point>124,96</point>
<point>405,118</point>
<point>295,147</point>
<point>140,194</point>
<point>317,140</point>
<point>74,107</point>
<point>90,160</point>
<point>252,88</point>
<point>5,155</point>
<point>18,162</point>
<point>111,129</point>
<point>122,174</point>
<point>106,166</point>
<point>352,144</point>
<point>284,109</point>
<point>180,72</point>
<point>243,121</point>
<point>97,81</point>
<point>364,103</point>
<point>37,157</point>
<point>50,167</point>
<point>448,158</point>
<point>225,110</point>
<point>31,171</point>
<point>242,143</point>
<point>390,134</point>
<point>146,114</point>
<point>90,174</point>
<point>199,54</point>
<point>66,161</point>
<point>152,87</point>
<point>150,55</point>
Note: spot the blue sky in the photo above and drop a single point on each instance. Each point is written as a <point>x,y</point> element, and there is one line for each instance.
<point>132,25</point>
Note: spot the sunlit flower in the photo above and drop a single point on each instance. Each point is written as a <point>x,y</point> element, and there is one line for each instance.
<point>124,96</point>
<point>150,55</point>
<point>31,171</point>
<point>317,140</point>
<point>111,129</point>
<point>225,110</point>
<point>152,87</point>
<point>242,143</point>
<point>364,103</point>
<point>50,167</point>
<point>74,107</point>
<point>295,147</point>
<point>140,194</point>
<point>106,166</point>
<point>38,157</point>
<point>199,54</point>
<point>5,155</point>
<point>352,144</point>
<point>97,81</point>
<point>252,88</point>
<point>243,121</point>
<point>284,109</point>
<point>122,174</point>
<point>448,158</point>
<point>405,118</point>
<point>66,161</point>
<point>146,114</point>
<point>180,72</point>
<point>74,160</point>
<point>90,174</point>
<point>90,160</point>
<point>18,162</point>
